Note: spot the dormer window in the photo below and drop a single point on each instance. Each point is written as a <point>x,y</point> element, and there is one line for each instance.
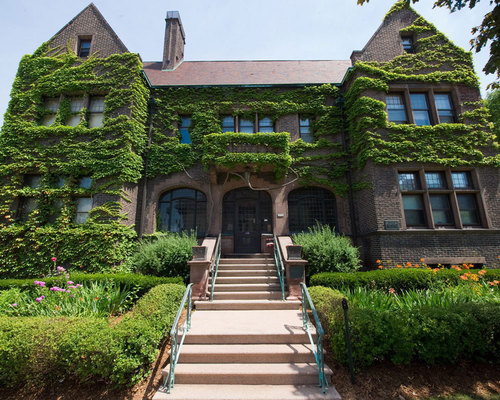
<point>407,43</point>
<point>84,47</point>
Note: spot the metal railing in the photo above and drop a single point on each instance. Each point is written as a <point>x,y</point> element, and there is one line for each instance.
<point>280,267</point>
<point>214,267</point>
<point>176,346</point>
<point>320,335</point>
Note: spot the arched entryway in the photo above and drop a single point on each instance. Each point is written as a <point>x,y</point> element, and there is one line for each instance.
<point>246,215</point>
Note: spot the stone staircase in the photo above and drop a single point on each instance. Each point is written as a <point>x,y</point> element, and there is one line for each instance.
<point>247,343</point>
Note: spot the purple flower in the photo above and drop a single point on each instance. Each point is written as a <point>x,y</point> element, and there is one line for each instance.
<point>39,299</point>
<point>55,289</point>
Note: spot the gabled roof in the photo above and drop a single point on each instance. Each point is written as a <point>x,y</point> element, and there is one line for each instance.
<point>208,73</point>
<point>92,8</point>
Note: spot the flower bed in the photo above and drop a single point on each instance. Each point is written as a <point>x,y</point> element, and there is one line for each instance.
<point>46,349</point>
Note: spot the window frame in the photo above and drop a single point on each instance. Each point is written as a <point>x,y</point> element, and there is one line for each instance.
<point>307,137</point>
<point>408,49</point>
<point>186,129</point>
<point>93,113</point>
<point>83,40</point>
<point>403,102</point>
<point>452,194</point>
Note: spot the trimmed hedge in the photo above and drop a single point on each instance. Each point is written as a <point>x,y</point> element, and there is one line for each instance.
<point>144,282</point>
<point>428,334</point>
<point>43,350</point>
<point>398,279</point>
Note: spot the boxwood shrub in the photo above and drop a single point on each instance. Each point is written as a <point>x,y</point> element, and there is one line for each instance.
<point>398,279</point>
<point>43,350</point>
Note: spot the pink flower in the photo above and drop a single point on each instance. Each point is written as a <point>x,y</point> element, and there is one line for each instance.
<point>39,299</point>
<point>53,259</point>
<point>13,305</point>
<point>60,269</point>
<point>70,282</point>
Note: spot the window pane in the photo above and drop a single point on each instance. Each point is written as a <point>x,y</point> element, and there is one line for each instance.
<point>435,180</point>
<point>48,120</point>
<point>52,104</point>
<point>409,181</point>
<point>61,181</point>
<point>468,209</point>
<point>74,120</point>
<point>246,126</point>
<point>407,44</point>
<point>85,182</point>
<point>307,207</point>
<point>76,105</point>
<point>397,116</point>
<point>95,120</point>
<point>441,210</point>
<point>421,118</point>
<point>184,130</point>
<point>33,181</point>
<point>265,125</point>
<point>304,121</point>
<point>442,101</point>
<point>96,104</point>
<point>396,109</point>
<point>27,206</point>
<point>84,48</point>
<point>461,180</point>
<point>83,206</point>
<point>414,210</point>
<point>185,122</point>
<point>228,124</point>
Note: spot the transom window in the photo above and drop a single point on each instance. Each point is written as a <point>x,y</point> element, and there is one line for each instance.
<point>305,129</point>
<point>184,130</point>
<point>310,206</point>
<point>182,210</point>
<point>439,198</point>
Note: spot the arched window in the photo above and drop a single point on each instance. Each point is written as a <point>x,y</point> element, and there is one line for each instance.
<point>183,210</point>
<point>309,206</point>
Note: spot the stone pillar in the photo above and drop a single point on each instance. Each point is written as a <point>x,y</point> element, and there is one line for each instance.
<point>199,267</point>
<point>294,266</point>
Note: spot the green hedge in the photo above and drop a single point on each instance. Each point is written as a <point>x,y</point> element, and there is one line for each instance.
<point>428,334</point>
<point>398,279</point>
<point>144,282</point>
<point>43,350</point>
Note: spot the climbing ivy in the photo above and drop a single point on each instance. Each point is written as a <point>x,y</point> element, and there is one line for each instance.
<point>110,155</point>
<point>436,60</point>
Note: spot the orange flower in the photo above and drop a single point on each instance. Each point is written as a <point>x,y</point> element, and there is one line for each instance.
<point>464,277</point>
<point>474,277</point>
<point>391,290</point>
<point>491,283</point>
<point>97,298</point>
<point>400,266</point>
<point>422,260</point>
<point>380,266</point>
<point>379,262</point>
<point>408,264</point>
<point>482,272</point>
<point>496,282</point>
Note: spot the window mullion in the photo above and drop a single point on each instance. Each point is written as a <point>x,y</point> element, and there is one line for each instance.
<point>456,211</point>
<point>408,106</point>
<point>433,114</point>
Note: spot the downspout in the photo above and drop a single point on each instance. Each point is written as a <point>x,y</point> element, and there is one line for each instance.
<point>152,112</point>
<point>346,145</point>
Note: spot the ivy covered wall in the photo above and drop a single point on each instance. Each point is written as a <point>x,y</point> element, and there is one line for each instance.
<point>61,155</point>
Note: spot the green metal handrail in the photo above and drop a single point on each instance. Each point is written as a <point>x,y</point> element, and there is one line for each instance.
<point>320,335</point>
<point>214,267</point>
<point>280,267</point>
<point>175,348</point>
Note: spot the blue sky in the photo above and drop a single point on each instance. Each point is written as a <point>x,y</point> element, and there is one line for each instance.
<point>225,29</point>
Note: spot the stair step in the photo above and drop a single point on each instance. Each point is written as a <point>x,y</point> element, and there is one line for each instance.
<point>244,287</point>
<point>247,327</point>
<point>248,374</point>
<point>251,353</point>
<point>243,272</point>
<point>248,305</point>
<point>246,279</point>
<point>248,266</point>
<point>247,392</point>
<point>249,295</point>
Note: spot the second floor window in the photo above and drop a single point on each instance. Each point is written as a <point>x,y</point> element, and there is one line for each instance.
<point>228,124</point>
<point>266,125</point>
<point>396,109</point>
<point>75,105</point>
<point>420,108</point>
<point>51,106</point>
<point>96,111</point>
<point>184,130</point>
<point>83,207</point>
<point>246,125</point>
<point>305,129</point>
<point>444,108</point>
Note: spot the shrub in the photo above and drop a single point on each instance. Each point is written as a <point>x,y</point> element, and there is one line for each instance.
<point>398,279</point>
<point>167,256</point>
<point>326,251</point>
<point>328,302</point>
<point>41,349</point>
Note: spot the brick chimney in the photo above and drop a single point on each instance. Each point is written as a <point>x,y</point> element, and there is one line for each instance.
<point>175,39</point>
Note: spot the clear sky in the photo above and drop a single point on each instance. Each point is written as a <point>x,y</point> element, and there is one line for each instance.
<point>225,29</point>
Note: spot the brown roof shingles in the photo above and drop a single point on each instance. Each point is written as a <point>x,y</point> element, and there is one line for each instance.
<point>201,73</point>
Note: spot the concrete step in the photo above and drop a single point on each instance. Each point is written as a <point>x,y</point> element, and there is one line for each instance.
<point>246,279</point>
<point>250,353</point>
<point>247,392</point>
<point>246,261</point>
<point>248,266</point>
<point>246,287</point>
<point>246,272</point>
<point>248,305</point>
<point>247,327</point>
<point>250,295</point>
<point>248,374</point>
